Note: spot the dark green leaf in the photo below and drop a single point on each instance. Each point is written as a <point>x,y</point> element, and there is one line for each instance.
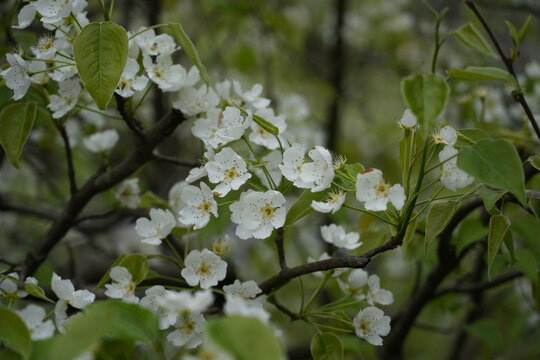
<point>535,161</point>
<point>14,333</point>
<point>16,121</point>
<point>535,206</point>
<point>438,217</point>
<point>509,243</point>
<point>496,163</point>
<point>490,198</point>
<point>326,346</point>
<point>487,331</point>
<point>471,37</point>
<point>470,230</point>
<point>186,44</point>
<point>481,73</point>
<point>100,53</point>
<point>526,262</point>
<point>498,225</point>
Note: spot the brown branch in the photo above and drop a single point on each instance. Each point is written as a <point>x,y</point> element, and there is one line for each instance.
<point>280,249</point>
<point>130,121</point>
<point>174,161</point>
<point>479,286</point>
<point>41,214</point>
<point>69,160</point>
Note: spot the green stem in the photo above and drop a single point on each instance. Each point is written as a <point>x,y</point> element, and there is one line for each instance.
<point>148,29</point>
<point>433,197</point>
<point>313,297</point>
<point>370,213</point>
<point>49,69</point>
<point>265,170</point>
<point>148,88</point>
<point>99,112</point>
<point>439,164</point>
<point>76,21</point>
<point>173,249</point>
<point>111,9</point>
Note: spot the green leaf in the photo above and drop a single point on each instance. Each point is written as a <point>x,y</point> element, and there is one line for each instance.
<point>535,206</point>
<point>186,44</point>
<point>266,125</point>
<point>8,354</point>
<point>409,233</point>
<point>245,338</point>
<point>468,137</point>
<point>498,225</point>
<point>326,346</point>
<point>136,264</point>
<point>470,230</point>
<point>471,37</point>
<point>481,73</point>
<point>526,262</point>
<point>426,96</point>
<point>524,29</point>
<point>36,291</point>
<point>535,161</point>
<point>16,121</point>
<point>513,32</point>
<point>302,206</point>
<point>100,53</point>
<point>438,217</point>
<point>509,243</point>
<point>487,331</point>
<point>14,333</point>
<point>495,163</point>
<point>490,198</point>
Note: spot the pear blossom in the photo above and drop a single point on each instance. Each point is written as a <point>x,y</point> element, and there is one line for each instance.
<point>238,305</point>
<point>291,168</point>
<point>324,256</point>
<point>101,142</point>
<point>370,324</point>
<point>247,289</point>
<point>61,104</point>
<point>452,177</point>
<point>64,73</point>
<point>200,172</point>
<point>188,332</point>
<point>33,317</point>
<point>375,193</point>
<point>200,204</point>
<point>223,89</point>
<point>153,301</point>
<point>40,77</point>
<point>332,204</point>
<point>26,16</point>
<point>154,45</point>
<point>193,101</point>
<point>258,213</point>
<point>262,137</point>
<point>356,281</point>
<point>121,286</point>
<point>294,108</point>
<point>220,246</point>
<point>251,96</point>
<point>9,286</point>
<point>16,76</point>
<point>129,81</point>
<point>336,235</point>
<point>175,196</point>
<point>65,291</point>
<point>319,172</point>
<point>158,227</point>
<point>221,127</point>
<point>228,170</point>
<point>168,76</point>
<point>446,135</point>
<point>44,48</point>
<point>408,120</point>
<point>127,193</point>
<point>204,268</point>
<point>377,295</point>
<point>52,11</point>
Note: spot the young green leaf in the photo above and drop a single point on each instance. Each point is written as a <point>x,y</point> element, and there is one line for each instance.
<point>481,73</point>
<point>186,44</point>
<point>438,217</point>
<point>524,29</point>
<point>471,37</point>
<point>498,225</point>
<point>16,122</point>
<point>513,33</point>
<point>534,160</point>
<point>266,125</point>
<point>36,291</point>
<point>495,163</point>
<point>326,346</point>
<point>100,53</point>
<point>14,333</point>
<point>426,96</point>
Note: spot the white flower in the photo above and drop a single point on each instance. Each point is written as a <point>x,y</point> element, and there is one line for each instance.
<point>294,108</point>
<point>9,286</point>
<point>128,193</point>
<point>251,97</point>
<point>376,294</point>
<point>61,104</point>
<point>200,172</point>
<point>293,160</point>
<point>324,256</point>
<point>408,120</point>
<point>357,280</point>
<point>332,204</point>
<point>168,76</point>
<point>336,235</point>
<point>204,268</point>
<point>154,45</point>
<point>122,286</point>
<point>41,77</point>
<point>153,300</point>
<point>200,204</point>
<point>64,73</point>
<point>52,11</point>
<point>129,81</point>
<point>101,142</point>
<point>247,289</point>
<point>221,127</point>
<point>33,316</point>
<point>260,136</point>
<point>158,227</point>
<point>228,170</point>
<point>185,302</point>
<point>452,177</point>
<point>193,101</point>
<point>447,136</point>
<point>175,196</point>
<point>26,16</point>
<point>65,291</point>
<point>319,172</point>
<point>258,213</point>
<point>237,305</point>
<point>370,324</point>
<point>272,161</point>
<point>16,77</point>
<point>188,333</point>
<point>375,193</point>
<point>44,48</point>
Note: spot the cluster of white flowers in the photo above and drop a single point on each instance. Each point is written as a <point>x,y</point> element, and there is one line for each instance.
<point>336,235</point>
<point>316,175</point>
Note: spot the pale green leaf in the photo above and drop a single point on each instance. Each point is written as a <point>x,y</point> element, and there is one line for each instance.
<point>14,333</point>
<point>16,122</point>
<point>481,73</point>
<point>467,137</point>
<point>513,32</point>
<point>490,198</point>
<point>36,291</point>
<point>326,346</point>
<point>100,53</point>
<point>471,37</point>
<point>524,29</point>
<point>266,125</point>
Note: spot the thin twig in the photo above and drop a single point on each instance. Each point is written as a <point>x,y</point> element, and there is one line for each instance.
<point>280,249</point>
<point>128,119</point>
<point>174,161</point>
<point>69,160</point>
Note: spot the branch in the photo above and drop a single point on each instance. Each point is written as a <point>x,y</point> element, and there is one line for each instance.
<point>280,250</point>
<point>517,95</point>
<point>479,286</point>
<point>45,215</point>
<point>100,181</point>
<point>174,161</point>
<point>69,160</point>
<point>129,120</point>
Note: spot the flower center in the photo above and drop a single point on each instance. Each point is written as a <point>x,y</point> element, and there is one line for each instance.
<point>205,206</point>
<point>268,211</point>
<point>382,189</point>
<point>231,174</point>
<point>204,269</point>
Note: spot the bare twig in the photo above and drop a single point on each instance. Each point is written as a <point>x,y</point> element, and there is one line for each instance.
<point>280,249</point>
<point>69,160</point>
<point>174,161</point>
<point>128,119</point>
<point>479,286</point>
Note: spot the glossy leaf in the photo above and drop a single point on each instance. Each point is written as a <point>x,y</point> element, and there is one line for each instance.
<point>326,346</point>
<point>186,44</point>
<point>245,338</point>
<point>469,35</point>
<point>498,225</point>
<point>16,122</point>
<point>302,206</point>
<point>426,96</point>
<point>481,73</point>
<point>438,217</point>
<point>495,163</point>
<point>14,333</point>
<point>100,53</point>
